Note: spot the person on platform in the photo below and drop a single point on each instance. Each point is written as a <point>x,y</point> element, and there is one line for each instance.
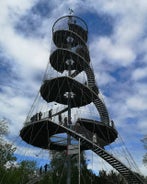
<point>45,168</point>
<point>65,121</point>
<point>40,115</point>
<point>60,119</point>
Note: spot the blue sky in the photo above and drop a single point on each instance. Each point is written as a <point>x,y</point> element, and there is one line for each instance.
<point>117,44</point>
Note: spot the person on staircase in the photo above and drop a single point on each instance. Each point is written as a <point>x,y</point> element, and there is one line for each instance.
<point>50,114</point>
<point>40,170</point>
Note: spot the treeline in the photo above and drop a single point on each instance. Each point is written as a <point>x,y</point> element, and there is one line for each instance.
<point>57,172</point>
<point>17,174</point>
<point>27,172</point>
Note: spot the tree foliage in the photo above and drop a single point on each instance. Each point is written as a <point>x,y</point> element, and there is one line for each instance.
<point>3,129</point>
<point>6,153</point>
<point>6,150</point>
<point>58,172</point>
<point>145,146</point>
<point>18,175</point>
<point>57,169</point>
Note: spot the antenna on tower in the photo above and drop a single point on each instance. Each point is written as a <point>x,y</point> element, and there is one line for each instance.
<point>71,11</point>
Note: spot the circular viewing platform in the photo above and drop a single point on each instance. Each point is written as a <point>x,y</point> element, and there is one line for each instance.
<point>46,134</point>
<point>60,57</point>
<point>104,134</point>
<point>72,23</point>
<point>57,90</point>
<point>61,38</point>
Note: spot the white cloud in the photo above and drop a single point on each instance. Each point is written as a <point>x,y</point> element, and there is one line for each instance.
<point>31,151</point>
<point>96,163</point>
<point>114,53</point>
<point>126,41</point>
<point>29,56</point>
<point>136,103</point>
<point>27,53</point>
<point>104,78</point>
<point>11,10</point>
<point>139,73</point>
<point>142,126</point>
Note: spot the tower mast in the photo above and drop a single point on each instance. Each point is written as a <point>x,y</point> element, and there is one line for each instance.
<point>69,63</point>
<point>70,55</point>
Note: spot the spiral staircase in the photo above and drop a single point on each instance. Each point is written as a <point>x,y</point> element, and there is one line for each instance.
<point>71,56</point>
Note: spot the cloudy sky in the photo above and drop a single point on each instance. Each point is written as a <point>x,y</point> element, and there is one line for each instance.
<point>117,44</point>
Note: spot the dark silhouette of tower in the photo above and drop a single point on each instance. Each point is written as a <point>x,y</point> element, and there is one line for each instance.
<point>69,58</point>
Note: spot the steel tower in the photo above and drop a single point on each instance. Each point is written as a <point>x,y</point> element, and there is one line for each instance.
<point>69,58</point>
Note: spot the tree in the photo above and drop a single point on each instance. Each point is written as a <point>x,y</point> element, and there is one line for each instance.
<point>144,140</point>
<point>17,175</point>
<point>6,150</point>
<point>3,128</point>
<point>114,177</point>
<point>58,169</point>
<point>27,169</point>
<point>6,153</point>
<point>28,166</point>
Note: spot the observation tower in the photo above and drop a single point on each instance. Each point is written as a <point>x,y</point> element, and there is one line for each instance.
<point>64,89</point>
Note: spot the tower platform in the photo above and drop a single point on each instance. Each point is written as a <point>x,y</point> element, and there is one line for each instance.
<point>40,133</point>
<point>56,90</point>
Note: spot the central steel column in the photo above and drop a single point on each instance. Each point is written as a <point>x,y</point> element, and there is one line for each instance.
<point>69,126</point>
